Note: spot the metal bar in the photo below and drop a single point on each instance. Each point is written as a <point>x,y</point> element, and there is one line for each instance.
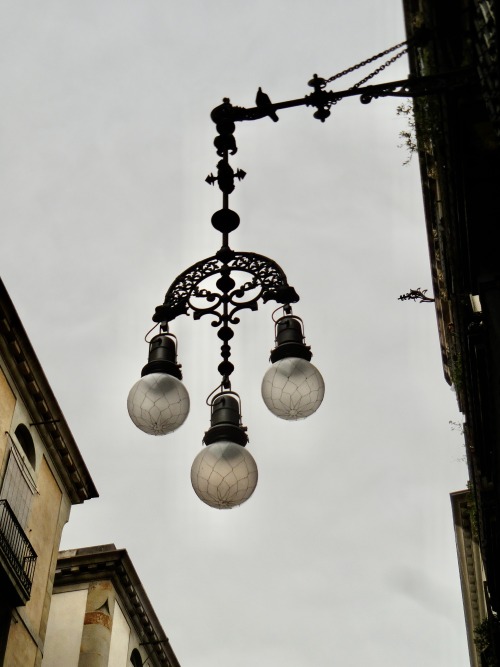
<point>411,87</point>
<point>16,547</point>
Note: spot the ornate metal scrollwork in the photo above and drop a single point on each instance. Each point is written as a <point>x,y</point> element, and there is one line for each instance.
<point>266,276</point>
<point>267,282</point>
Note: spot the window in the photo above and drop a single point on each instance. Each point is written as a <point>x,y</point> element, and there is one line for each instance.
<point>26,441</point>
<point>135,658</point>
<point>18,485</point>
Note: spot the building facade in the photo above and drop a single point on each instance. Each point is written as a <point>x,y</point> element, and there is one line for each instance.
<point>470,567</point>
<point>458,140</point>
<point>42,474</point>
<point>101,616</point>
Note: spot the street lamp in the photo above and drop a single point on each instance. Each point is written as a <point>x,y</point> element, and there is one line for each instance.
<point>224,473</point>
<point>292,388</point>
<point>159,403</point>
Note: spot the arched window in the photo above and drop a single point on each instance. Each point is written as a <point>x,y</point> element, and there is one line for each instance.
<point>135,658</point>
<point>26,441</point>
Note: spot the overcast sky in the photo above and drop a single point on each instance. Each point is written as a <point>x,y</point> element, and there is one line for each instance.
<point>345,554</point>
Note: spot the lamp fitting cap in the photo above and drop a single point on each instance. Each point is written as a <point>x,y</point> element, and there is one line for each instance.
<point>162,357</point>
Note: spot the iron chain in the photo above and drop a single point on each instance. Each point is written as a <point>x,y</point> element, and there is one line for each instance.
<point>379,69</point>
<point>370,60</point>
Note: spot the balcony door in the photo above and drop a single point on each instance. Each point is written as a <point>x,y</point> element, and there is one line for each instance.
<point>18,486</point>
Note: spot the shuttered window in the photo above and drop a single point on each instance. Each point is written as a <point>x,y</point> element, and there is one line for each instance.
<point>18,486</point>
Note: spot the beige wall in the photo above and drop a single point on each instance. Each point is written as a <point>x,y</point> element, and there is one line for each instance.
<point>43,533</point>
<point>69,643</point>
<point>48,514</point>
<point>64,631</point>
<point>21,649</point>
<point>118,651</point>
<point>97,624</point>
<point>46,519</point>
<point>41,487</point>
<point>7,405</point>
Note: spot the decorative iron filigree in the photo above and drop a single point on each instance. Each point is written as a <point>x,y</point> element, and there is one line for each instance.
<point>267,282</point>
<point>414,294</point>
<point>267,277</point>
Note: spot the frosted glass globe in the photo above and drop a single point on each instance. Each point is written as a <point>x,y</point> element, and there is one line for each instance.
<point>293,388</point>
<point>224,474</point>
<point>158,403</point>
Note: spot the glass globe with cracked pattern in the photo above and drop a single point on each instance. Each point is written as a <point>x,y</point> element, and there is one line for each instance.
<point>293,388</point>
<point>158,403</point>
<point>224,474</point>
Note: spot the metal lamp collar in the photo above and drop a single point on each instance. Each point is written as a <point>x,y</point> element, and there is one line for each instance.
<point>162,357</point>
<point>290,341</point>
<point>225,421</point>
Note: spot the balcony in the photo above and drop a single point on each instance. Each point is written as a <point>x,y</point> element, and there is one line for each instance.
<point>17,556</point>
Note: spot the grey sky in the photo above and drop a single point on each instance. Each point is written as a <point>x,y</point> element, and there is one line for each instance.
<point>345,554</point>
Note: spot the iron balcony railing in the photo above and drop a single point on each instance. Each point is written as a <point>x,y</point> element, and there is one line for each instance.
<point>16,548</point>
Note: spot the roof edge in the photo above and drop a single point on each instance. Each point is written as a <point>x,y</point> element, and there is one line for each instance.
<point>108,562</point>
<point>34,388</point>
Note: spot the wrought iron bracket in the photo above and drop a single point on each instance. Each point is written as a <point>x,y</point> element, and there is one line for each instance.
<point>227,114</point>
<point>198,289</point>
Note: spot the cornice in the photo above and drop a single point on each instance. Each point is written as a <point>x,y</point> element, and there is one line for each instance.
<point>34,389</point>
<point>470,569</point>
<point>111,564</point>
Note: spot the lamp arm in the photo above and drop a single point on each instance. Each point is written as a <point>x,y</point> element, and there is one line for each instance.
<point>320,98</point>
<point>226,115</point>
